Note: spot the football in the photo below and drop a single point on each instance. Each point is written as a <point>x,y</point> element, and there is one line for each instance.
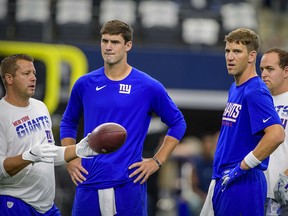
<point>107,138</point>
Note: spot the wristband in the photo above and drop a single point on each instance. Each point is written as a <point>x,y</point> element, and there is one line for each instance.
<point>157,161</point>
<point>251,160</point>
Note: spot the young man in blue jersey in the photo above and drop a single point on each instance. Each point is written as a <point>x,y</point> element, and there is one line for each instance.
<point>274,72</point>
<point>251,130</point>
<point>115,184</point>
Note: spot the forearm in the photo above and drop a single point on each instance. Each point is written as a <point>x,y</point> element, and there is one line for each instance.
<point>70,153</point>
<point>13,165</point>
<point>68,141</point>
<point>269,142</point>
<point>65,155</point>
<point>273,137</point>
<point>165,150</point>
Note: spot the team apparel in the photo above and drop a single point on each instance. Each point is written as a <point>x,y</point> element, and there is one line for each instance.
<point>251,189</point>
<point>20,129</point>
<point>248,112</point>
<point>131,103</point>
<point>279,158</point>
<point>11,206</point>
<point>128,192</point>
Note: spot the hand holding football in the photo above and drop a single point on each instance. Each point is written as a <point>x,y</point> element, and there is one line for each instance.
<point>107,138</point>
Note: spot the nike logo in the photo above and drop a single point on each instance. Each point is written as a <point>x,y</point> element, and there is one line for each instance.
<point>99,88</point>
<point>265,120</point>
<point>10,204</point>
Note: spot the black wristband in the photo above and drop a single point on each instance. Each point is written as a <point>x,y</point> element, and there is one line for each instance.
<point>157,161</point>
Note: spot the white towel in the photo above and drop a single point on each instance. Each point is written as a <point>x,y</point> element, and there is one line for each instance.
<point>107,202</point>
<point>207,209</point>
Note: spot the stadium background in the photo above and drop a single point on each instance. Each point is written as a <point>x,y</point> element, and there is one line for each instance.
<point>179,42</point>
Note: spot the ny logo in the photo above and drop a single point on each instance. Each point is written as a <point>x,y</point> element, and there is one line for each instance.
<point>125,89</point>
<point>49,136</point>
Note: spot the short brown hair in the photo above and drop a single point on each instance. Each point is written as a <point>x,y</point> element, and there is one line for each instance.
<point>116,27</point>
<point>244,36</point>
<point>282,55</point>
<point>9,64</point>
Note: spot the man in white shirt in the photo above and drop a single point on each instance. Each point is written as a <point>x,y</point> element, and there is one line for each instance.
<point>27,150</point>
<point>274,72</point>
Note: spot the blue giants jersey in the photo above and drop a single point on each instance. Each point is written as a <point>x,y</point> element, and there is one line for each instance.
<point>248,112</point>
<point>129,102</point>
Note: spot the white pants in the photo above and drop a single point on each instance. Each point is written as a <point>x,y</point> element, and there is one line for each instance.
<point>107,202</point>
<point>207,209</point>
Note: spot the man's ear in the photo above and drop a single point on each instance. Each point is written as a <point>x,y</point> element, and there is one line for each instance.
<point>8,78</point>
<point>286,72</point>
<point>128,46</point>
<point>252,56</point>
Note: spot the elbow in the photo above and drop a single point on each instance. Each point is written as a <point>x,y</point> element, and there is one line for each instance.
<point>280,135</point>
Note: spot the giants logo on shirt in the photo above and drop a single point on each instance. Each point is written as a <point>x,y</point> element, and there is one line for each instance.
<point>282,111</point>
<point>27,126</point>
<point>125,89</point>
<point>231,113</point>
<point>49,136</point>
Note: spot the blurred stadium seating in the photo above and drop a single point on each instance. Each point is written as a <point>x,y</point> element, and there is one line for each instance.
<point>73,20</point>
<point>33,20</point>
<point>166,22</point>
<point>4,19</point>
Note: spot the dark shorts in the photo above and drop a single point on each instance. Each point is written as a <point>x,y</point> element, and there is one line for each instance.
<point>11,206</point>
<point>245,196</point>
<point>130,200</point>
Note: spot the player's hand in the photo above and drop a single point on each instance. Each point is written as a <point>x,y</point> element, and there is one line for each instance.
<point>281,189</point>
<point>75,170</point>
<point>41,153</point>
<point>144,169</point>
<point>230,175</point>
<point>83,150</point>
